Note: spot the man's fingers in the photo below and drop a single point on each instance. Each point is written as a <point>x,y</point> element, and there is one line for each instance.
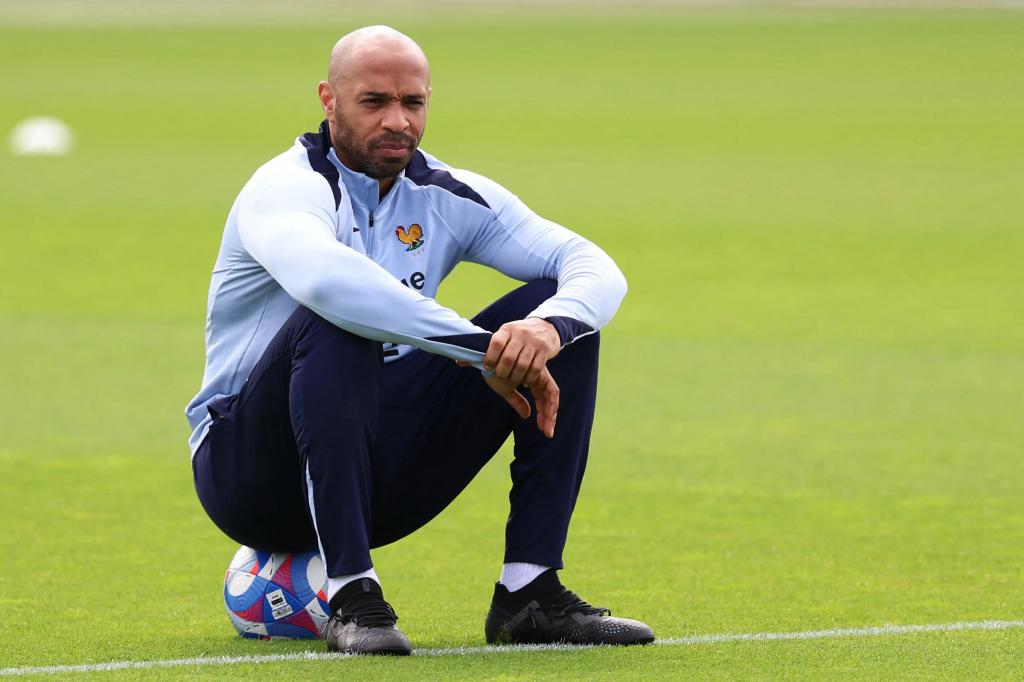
<point>546,421</point>
<point>519,403</point>
<point>508,392</point>
<point>508,360</point>
<point>536,367</point>
<point>517,355</point>
<point>546,395</point>
<point>523,364</point>
<point>499,340</point>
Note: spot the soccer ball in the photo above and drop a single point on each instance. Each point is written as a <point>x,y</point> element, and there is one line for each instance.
<point>275,595</point>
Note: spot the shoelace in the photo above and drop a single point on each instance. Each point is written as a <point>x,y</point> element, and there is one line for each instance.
<point>369,611</point>
<point>569,602</point>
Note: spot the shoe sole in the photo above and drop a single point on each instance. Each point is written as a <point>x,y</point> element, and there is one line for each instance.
<point>381,652</point>
<point>372,652</point>
<point>504,638</point>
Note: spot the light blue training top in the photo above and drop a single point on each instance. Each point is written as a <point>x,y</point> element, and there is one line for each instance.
<point>306,230</point>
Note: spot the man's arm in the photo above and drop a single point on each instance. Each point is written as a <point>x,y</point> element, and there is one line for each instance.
<point>287,226</point>
<point>522,245</point>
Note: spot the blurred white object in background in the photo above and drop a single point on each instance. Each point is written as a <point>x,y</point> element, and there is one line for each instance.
<point>41,136</point>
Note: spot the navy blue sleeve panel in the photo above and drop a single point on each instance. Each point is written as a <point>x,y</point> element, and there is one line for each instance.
<point>569,329</point>
<point>477,342</point>
<point>287,224</point>
<point>520,244</point>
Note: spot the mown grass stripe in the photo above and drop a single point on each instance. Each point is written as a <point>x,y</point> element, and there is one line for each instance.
<point>876,631</point>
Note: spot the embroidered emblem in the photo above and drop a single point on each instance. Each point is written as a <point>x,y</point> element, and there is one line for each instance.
<point>412,238</point>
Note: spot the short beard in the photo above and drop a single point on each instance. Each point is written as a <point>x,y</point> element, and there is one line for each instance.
<point>361,158</point>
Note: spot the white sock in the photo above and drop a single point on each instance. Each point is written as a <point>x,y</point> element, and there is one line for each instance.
<point>516,576</point>
<point>334,585</point>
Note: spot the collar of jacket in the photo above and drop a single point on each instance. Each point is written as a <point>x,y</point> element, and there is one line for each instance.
<point>362,187</point>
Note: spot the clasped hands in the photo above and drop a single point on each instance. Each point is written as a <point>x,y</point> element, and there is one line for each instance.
<point>517,356</point>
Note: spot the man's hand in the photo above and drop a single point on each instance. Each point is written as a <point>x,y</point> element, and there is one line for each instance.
<point>545,396</point>
<point>519,350</point>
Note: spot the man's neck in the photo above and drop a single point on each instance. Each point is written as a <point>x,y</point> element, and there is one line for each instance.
<point>385,186</point>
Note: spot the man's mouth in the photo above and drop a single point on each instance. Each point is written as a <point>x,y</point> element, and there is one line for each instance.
<point>402,145</point>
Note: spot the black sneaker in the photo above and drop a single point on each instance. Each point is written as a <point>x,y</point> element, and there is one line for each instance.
<point>363,623</point>
<point>546,612</point>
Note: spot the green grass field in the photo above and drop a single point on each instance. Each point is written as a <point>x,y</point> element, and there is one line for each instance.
<point>810,414</point>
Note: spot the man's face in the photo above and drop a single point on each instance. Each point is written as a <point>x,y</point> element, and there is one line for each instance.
<point>378,111</point>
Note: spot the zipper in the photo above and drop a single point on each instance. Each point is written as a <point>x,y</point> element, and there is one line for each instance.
<point>368,239</point>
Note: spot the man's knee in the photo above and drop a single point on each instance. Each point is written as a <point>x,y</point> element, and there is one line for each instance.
<point>516,304</point>
<point>539,290</point>
<point>310,328</point>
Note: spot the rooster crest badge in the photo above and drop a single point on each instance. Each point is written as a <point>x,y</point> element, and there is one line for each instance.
<point>412,238</point>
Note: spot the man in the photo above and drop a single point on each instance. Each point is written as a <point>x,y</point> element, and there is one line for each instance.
<point>331,414</point>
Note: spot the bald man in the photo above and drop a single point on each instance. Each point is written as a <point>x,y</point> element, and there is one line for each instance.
<point>331,413</point>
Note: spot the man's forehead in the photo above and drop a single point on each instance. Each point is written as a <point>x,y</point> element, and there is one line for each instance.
<point>380,78</point>
<point>386,61</point>
<point>384,84</point>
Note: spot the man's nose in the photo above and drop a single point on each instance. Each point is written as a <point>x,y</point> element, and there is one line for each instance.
<point>395,120</point>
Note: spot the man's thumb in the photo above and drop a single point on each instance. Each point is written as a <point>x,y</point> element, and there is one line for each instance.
<point>518,403</point>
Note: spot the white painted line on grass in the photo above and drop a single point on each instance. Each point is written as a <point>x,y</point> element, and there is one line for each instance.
<point>878,631</point>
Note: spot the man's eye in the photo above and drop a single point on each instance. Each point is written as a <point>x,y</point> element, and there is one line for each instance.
<point>372,102</point>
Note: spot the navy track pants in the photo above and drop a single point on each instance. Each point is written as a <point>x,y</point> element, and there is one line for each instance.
<point>326,443</point>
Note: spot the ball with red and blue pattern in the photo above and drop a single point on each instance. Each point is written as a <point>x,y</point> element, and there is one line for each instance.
<point>276,595</point>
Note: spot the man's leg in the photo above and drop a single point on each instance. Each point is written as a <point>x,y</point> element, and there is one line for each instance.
<point>286,464</point>
<point>295,440</point>
<point>440,424</point>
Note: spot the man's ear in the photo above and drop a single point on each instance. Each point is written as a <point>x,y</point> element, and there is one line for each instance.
<point>326,93</point>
